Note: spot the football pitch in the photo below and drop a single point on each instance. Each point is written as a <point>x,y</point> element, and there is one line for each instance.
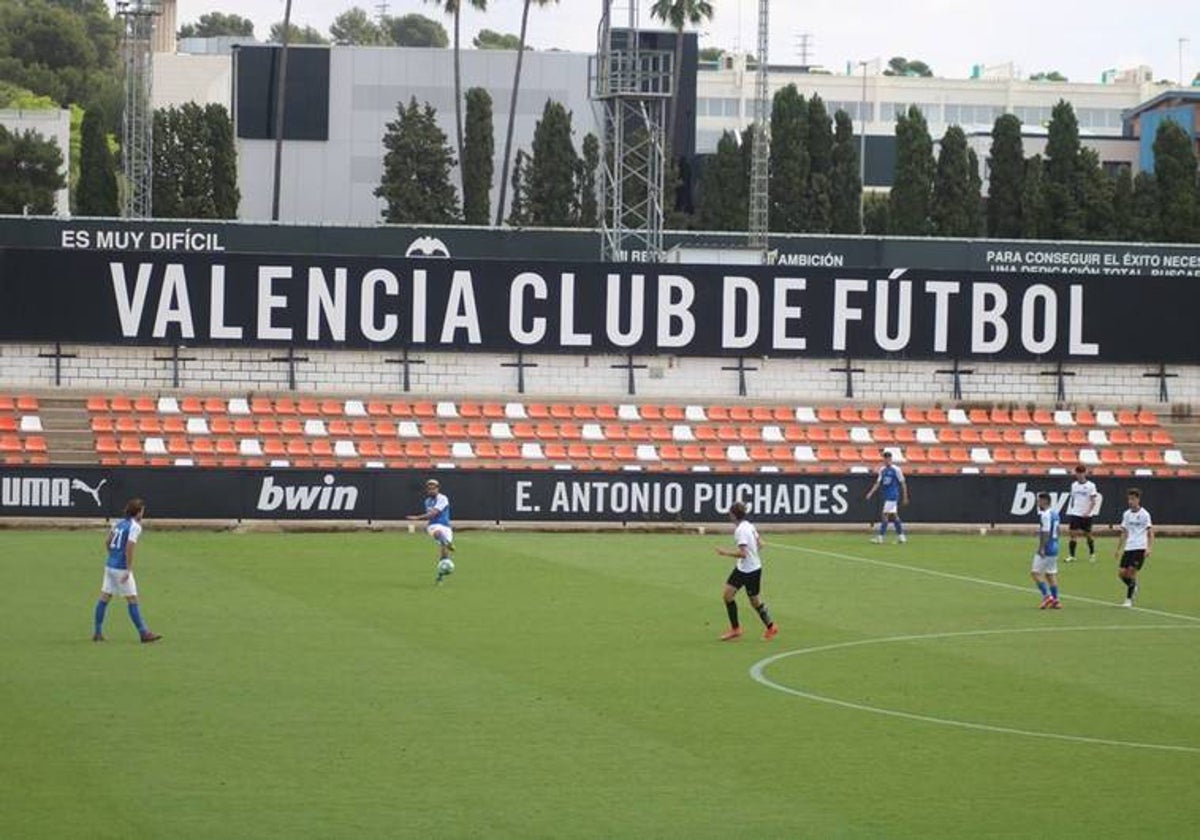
<point>572,686</point>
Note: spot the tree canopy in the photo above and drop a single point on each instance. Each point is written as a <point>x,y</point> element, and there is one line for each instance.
<point>216,24</point>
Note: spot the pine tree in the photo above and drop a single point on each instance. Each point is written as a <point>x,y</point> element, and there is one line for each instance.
<point>819,193</point>
<point>913,188</point>
<point>1033,200</point>
<point>1123,205</point>
<point>518,215</point>
<point>30,173</point>
<point>223,152</point>
<point>589,165</point>
<point>195,180</point>
<point>953,210</point>
<point>978,210</point>
<point>790,162</point>
<point>551,175</point>
<point>166,196</point>
<point>876,214</point>
<point>96,192</point>
<point>1145,222</point>
<point>1062,173</point>
<point>723,196</point>
<point>846,182</point>
<point>479,152</point>
<point>416,169</point>
<point>1008,173</point>
<point>1175,175</point>
<point>1096,194</point>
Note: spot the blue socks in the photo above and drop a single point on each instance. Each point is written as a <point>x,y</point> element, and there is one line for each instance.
<point>135,615</point>
<point>899,527</point>
<point>101,608</point>
<point>1041,585</point>
<point>1054,592</point>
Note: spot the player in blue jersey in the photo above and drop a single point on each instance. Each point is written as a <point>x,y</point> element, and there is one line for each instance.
<point>1045,561</point>
<point>118,571</point>
<point>893,489</point>
<point>437,515</point>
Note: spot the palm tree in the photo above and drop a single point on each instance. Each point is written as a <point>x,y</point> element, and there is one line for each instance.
<point>678,14</point>
<point>454,8</point>
<point>512,108</point>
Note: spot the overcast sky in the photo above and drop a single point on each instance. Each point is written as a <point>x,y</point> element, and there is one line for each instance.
<point>1077,38</point>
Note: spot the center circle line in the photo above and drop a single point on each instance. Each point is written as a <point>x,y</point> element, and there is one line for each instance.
<point>758,669</point>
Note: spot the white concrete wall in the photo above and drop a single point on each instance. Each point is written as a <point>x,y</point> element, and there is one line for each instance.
<point>180,78</point>
<point>678,379</point>
<point>333,182</point>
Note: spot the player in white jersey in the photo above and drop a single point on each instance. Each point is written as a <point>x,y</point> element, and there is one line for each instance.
<point>1082,503</point>
<point>747,573</point>
<point>1137,540</point>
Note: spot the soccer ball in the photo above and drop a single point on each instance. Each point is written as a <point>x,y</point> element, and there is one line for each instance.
<point>445,566</point>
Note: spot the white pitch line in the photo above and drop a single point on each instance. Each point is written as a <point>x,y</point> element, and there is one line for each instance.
<point>757,673</point>
<point>968,579</point>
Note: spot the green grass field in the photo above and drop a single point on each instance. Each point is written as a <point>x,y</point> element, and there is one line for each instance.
<point>564,686</point>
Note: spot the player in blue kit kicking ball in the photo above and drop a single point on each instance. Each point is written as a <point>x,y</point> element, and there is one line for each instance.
<point>437,515</point>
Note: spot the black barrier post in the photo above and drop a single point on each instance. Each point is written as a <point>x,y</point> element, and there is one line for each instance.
<point>958,374</point>
<point>1162,376</point>
<point>520,364</point>
<point>631,367</point>
<point>291,358</point>
<point>741,371</point>
<point>58,355</point>
<point>849,370</point>
<point>1061,391</point>
<point>407,363</point>
<point>175,359</point>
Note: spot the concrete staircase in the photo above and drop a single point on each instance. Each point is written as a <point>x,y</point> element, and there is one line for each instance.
<point>1184,427</point>
<point>68,433</point>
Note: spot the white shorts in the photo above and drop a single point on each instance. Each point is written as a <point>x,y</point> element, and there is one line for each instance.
<point>441,533</point>
<point>1045,565</point>
<point>119,582</point>
<point>891,506</point>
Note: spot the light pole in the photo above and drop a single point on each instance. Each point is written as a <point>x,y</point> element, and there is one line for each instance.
<point>862,147</point>
<point>280,89</point>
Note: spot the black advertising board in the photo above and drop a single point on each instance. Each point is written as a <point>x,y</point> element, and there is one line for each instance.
<point>555,496</point>
<point>1086,259</point>
<point>241,300</point>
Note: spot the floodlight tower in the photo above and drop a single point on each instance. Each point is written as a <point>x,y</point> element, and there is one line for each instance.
<point>760,173</point>
<point>631,85</point>
<point>138,140</point>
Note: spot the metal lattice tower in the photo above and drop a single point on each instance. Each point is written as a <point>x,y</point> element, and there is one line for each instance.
<point>631,85</point>
<point>760,170</point>
<point>138,140</point>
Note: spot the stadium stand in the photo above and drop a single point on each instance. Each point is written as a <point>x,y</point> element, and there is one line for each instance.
<point>205,431</point>
<point>22,438</point>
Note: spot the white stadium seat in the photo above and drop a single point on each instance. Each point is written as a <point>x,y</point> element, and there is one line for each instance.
<point>408,429</point>
<point>927,436</point>
<point>737,454</point>
<point>532,452</point>
<point>647,452</point>
<point>250,447</point>
<point>515,411</point>
<point>168,405</point>
<point>500,431</point>
<point>860,434</point>
<point>1063,418</point>
<point>804,454</point>
<point>237,405</point>
<point>315,428</point>
<point>345,449</point>
<point>1098,437</point>
<point>981,455</point>
<point>805,414</point>
<point>958,417</point>
<point>447,410</point>
<point>461,449</point>
<point>893,415</point>
<point>695,414</point>
<point>1035,437</point>
<point>771,434</point>
<point>683,433</point>
<point>591,431</point>
<point>1089,457</point>
<point>628,412</point>
<point>1106,418</point>
<point>154,446</point>
<point>1175,458</point>
<point>31,423</point>
<point>354,408</point>
<point>197,426</point>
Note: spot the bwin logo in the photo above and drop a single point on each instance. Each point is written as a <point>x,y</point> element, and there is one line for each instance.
<point>1025,500</point>
<point>427,246</point>
<point>322,497</point>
